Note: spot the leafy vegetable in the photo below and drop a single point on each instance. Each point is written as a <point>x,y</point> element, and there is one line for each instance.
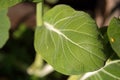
<point>109,72</point>
<point>114,35</point>
<point>4,27</point>
<point>69,41</point>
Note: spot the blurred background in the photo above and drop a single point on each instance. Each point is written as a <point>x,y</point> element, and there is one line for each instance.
<point>18,55</point>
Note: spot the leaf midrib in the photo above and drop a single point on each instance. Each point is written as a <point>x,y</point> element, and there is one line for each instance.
<point>51,28</point>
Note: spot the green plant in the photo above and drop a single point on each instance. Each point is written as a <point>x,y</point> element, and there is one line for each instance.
<point>70,41</point>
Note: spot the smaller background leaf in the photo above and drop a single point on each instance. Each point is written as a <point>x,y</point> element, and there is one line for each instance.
<point>114,35</point>
<point>110,72</point>
<point>4,27</point>
<point>8,3</point>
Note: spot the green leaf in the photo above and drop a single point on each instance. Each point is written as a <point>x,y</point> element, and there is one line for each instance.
<point>4,27</point>
<point>8,3</point>
<point>110,72</point>
<point>114,35</point>
<point>69,41</point>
